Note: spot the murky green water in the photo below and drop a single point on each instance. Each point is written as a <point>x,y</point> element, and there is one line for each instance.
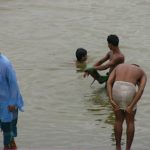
<point>62,111</point>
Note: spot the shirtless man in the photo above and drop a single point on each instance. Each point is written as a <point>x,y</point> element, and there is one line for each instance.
<point>109,61</point>
<point>123,96</point>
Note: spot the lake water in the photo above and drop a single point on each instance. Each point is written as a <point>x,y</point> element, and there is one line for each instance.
<point>62,111</point>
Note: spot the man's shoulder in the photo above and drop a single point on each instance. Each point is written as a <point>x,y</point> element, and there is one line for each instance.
<point>120,58</point>
<point>120,55</point>
<point>5,62</point>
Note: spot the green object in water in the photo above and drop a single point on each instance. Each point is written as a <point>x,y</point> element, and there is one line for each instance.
<point>94,73</point>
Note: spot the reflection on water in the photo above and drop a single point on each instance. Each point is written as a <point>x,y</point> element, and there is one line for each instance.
<point>100,106</point>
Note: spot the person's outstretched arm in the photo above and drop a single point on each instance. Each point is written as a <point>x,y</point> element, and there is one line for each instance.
<point>102,60</point>
<point>105,66</point>
<point>15,95</point>
<point>141,86</point>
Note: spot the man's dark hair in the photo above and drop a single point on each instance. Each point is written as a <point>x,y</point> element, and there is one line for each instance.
<point>80,52</point>
<point>113,39</point>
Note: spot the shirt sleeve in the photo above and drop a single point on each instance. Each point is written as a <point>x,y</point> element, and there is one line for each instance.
<point>15,95</point>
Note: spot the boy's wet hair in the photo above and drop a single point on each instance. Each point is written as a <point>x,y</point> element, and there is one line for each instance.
<point>113,39</point>
<point>80,53</point>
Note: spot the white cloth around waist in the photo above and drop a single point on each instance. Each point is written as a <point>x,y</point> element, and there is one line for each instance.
<point>123,93</point>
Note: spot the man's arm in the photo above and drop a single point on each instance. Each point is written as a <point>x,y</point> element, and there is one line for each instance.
<point>98,64</point>
<point>141,86</point>
<point>102,60</point>
<point>16,100</point>
<point>105,66</point>
<point>110,83</point>
<point>110,64</point>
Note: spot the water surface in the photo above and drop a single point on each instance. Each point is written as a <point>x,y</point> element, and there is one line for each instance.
<point>62,110</point>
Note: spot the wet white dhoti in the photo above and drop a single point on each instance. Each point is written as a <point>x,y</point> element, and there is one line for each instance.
<point>123,93</point>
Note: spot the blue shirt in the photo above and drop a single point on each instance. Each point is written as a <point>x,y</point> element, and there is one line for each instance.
<point>9,90</point>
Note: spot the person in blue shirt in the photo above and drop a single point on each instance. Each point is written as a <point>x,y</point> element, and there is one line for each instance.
<point>10,102</point>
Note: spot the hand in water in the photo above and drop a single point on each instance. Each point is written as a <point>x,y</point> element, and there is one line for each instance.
<point>86,74</point>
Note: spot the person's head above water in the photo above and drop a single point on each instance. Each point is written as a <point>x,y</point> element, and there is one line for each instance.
<point>113,40</point>
<point>81,54</point>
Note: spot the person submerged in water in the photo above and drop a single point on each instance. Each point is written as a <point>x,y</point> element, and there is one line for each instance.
<point>81,58</point>
<point>109,61</point>
<point>123,96</point>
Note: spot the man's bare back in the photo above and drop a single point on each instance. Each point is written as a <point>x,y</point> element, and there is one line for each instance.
<point>129,73</point>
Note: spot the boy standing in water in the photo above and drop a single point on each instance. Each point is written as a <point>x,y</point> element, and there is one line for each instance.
<point>10,101</point>
<point>121,87</point>
<point>109,61</point>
